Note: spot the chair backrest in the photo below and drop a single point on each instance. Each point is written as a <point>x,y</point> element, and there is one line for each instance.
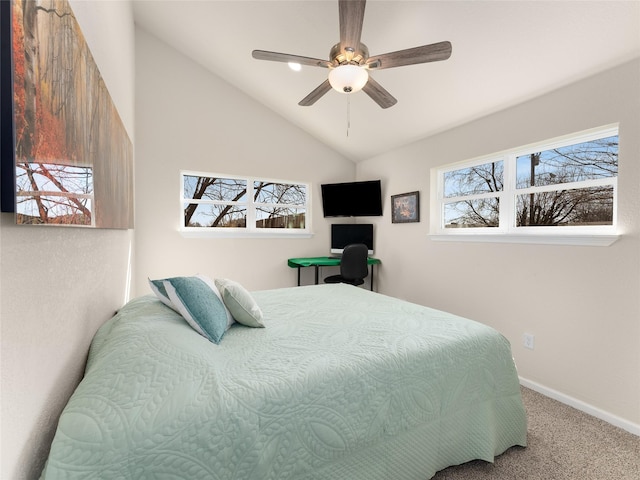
<point>353,264</point>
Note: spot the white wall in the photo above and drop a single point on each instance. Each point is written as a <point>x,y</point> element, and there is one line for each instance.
<point>58,285</point>
<point>188,118</point>
<point>581,303</point>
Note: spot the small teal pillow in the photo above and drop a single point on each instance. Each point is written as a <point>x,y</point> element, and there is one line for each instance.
<point>199,305</point>
<point>240,303</point>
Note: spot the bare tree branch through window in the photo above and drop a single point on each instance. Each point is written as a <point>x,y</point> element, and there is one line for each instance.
<point>224,202</point>
<point>567,185</point>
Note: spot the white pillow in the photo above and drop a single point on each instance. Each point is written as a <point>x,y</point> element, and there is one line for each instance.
<point>240,303</point>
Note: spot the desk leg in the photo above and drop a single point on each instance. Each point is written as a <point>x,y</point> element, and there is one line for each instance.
<point>317,268</point>
<point>372,277</point>
<point>298,276</point>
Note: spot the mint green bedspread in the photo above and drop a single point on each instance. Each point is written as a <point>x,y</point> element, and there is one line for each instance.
<point>343,383</point>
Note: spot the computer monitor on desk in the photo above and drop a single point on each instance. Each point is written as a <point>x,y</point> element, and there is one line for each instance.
<point>343,234</point>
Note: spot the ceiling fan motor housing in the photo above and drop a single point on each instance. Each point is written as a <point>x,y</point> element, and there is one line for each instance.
<point>348,55</point>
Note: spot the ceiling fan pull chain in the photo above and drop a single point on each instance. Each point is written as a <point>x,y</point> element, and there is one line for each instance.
<point>348,113</point>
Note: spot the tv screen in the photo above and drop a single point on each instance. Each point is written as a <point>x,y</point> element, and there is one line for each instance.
<point>352,199</point>
<point>343,234</point>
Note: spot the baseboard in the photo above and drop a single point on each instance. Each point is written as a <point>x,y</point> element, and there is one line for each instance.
<point>582,406</point>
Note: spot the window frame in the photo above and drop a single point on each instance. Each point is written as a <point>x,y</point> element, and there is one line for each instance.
<point>507,231</point>
<point>250,230</point>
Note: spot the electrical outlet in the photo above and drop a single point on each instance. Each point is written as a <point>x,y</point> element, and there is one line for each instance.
<point>528,340</point>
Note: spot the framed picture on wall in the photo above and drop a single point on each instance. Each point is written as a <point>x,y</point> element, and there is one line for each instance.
<point>405,207</point>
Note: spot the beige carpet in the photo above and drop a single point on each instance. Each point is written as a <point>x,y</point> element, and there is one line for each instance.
<point>563,443</point>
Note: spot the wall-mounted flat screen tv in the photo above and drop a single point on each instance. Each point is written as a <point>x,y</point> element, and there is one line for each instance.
<point>352,199</point>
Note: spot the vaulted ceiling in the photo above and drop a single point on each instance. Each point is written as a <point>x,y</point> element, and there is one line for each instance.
<point>504,52</point>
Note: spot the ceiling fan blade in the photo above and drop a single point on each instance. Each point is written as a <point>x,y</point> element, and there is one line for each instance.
<point>351,18</point>
<point>411,56</point>
<point>379,94</point>
<point>286,57</point>
<point>314,96</point>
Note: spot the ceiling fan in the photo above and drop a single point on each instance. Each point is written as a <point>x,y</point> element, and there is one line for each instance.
<point>349,61</point>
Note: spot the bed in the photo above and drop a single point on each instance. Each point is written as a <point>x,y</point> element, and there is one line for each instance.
<point>342,383</point>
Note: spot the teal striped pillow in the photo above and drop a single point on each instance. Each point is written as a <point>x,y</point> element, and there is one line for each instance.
<point>199,305</point>
<point>157,287</point>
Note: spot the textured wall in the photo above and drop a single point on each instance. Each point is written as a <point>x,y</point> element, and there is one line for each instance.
<point>58,285</point>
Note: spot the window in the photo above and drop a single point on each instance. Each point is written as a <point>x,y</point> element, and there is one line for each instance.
<point>565,186</point>
<point>243,205</point>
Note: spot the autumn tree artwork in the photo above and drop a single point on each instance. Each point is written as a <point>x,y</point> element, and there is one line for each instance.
<point>74,159</point>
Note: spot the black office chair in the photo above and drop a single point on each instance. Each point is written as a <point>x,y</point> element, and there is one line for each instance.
<point>353,265</point>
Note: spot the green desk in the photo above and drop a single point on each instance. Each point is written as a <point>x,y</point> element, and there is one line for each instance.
<point>324,262</point>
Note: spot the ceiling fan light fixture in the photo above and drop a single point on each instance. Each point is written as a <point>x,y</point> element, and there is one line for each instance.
<point>348,78</point>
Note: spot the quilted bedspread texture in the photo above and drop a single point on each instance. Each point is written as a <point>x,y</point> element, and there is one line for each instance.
<point>343,383</point>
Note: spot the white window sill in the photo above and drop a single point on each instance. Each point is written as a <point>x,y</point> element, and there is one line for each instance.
<point>564,239</point>
<point>241,233</point>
